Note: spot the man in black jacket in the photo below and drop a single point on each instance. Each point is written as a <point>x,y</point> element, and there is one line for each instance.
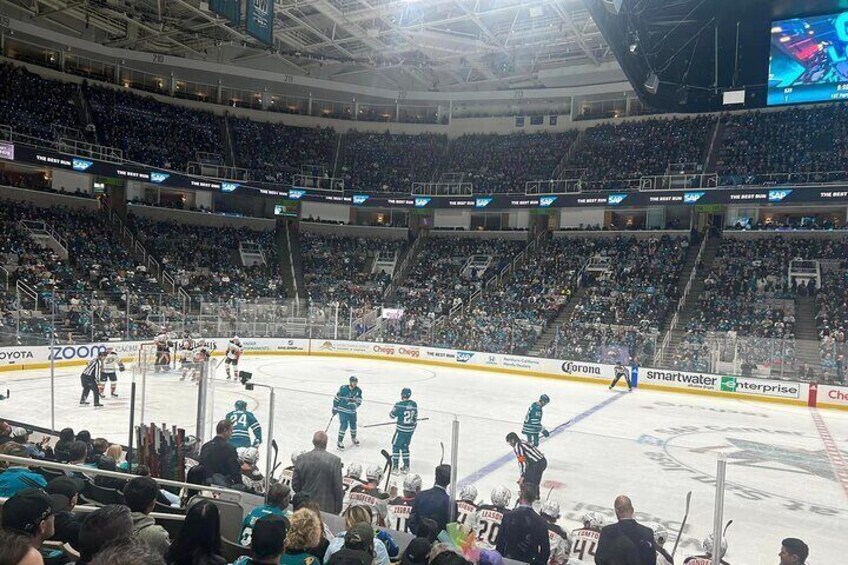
<point>433,503</point>
<point>523,535</point>
<point>626,542</point>
<point>219,457</point>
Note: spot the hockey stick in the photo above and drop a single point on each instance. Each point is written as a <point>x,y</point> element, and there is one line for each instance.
<point>389,423</point>
<point>549,494</point>
<point>329,423</point>
<point>388,469</point>
<point>275,448</point>
<point>682,524</point>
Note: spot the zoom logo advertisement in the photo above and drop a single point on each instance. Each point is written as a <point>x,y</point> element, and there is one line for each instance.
<point>359,199</point>
<point>158,177</point>
<point>615,199</point>
<point>296,194</point>
<point>692,197</point>
<point>482,202</point>
<point>81,164</point>
<point>778,195</point>
<point>547,201</point>
<point>421,202</point>
<point>229,186</point>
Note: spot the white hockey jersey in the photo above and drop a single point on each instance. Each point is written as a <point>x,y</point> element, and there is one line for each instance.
<point>234,351</point>
<point>398,511</point>
<point>560,545</point>
<point>112,362</point>
<point>466,514</point>
<point>488,520</point>
<point>584,544</point>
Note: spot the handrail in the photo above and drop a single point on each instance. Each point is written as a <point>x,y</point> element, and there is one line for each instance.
<point>27,462</point>
<point>660,355</point>
<point>291,263</point>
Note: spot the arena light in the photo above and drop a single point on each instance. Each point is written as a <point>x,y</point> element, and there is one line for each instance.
<point>652,83</point>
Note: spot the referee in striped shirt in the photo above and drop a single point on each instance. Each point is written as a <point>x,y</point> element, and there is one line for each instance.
<point>531,461</point>
<point>90,377</point>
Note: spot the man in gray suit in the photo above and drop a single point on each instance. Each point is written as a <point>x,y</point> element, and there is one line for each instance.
<point>319,475</point>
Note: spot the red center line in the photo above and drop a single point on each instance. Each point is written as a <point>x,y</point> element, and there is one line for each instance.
<point>837,460</point>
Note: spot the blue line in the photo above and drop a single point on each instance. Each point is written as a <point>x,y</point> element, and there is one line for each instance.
<point>493,466</point>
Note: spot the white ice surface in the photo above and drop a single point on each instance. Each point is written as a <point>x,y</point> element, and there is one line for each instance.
<point>652,446</point>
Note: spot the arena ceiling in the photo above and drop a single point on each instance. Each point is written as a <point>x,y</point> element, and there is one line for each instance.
<point>404,44</point>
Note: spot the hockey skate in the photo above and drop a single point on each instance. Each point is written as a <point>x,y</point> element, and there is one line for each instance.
<point>355,442</point>
<point>340,446</point>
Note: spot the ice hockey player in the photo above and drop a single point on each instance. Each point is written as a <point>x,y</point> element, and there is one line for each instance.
<point>709,548</point>
<point>584,541</point>
<point>253,480</point>
<point>201,354</point>
<point>533,421</point>
<point>186,343</point>
<point>466,507</point>
<point>163,353</point>
<point>400,508</point>
<point>234,351</point>
<point>621,371</point>
<point>370,495</point>
<point>287,473</point>
<point>111,365</point>
<point>558,538</point>
<point>279,497</point>
<point>244,423</point>
<point>406,412</point>
<point>347,400</point>
<point>660,537</point>
<point>490,516</point>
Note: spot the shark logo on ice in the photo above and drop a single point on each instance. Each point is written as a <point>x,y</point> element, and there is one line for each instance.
<point>81,164</point>
<point>692,197</point>
<point>360,199</point>
<point>229,186</point>
<point>615,199</point>
<point>778,195</point>
<point>158,177</point>
<point>482,202</point>
<point>421,202</point>
<point>296,194</point>
<point>547,201</point>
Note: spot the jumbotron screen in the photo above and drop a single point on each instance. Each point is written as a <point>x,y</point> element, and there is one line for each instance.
<point>809,60</point>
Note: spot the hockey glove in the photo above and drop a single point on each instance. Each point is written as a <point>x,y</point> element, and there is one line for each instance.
<point>545,433</point>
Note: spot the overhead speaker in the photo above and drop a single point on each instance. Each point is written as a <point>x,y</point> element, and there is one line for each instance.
<point>613,6</point>
<point>652,83</point>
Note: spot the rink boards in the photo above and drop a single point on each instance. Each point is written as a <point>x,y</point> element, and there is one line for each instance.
<point>752,388</point>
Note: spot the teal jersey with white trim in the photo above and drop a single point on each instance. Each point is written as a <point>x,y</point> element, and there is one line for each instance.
<point>406,413</point>
<point>533,420</point>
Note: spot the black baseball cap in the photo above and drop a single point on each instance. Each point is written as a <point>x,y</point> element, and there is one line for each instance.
<point>26,510</point>
<point>360,536</point>
<point>417,552</point>
<point>269,536</point>
<point>67,486</point>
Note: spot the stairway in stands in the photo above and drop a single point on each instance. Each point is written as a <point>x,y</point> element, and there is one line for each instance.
<point>290,258</point>
<point>693,302</point>
<point>564,315</point>
<point>806,334</point>
<point>685,272</point>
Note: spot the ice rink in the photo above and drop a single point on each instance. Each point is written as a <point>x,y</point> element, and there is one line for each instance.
<point>786,465</point>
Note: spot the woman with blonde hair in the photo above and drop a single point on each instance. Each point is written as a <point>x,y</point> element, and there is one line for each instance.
<point>304,533</point>
<point>354,515</point>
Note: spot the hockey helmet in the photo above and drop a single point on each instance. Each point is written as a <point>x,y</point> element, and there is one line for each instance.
<point>354,379</point>
<point>660,533</point>
<point>295,455</point>
<point>406,393</point>
<point>468,493</point>
<point>593,521</point>
<point>354,470</point>
<point>374,473</point>
<point>544,399</point>
<point>241,405</point>
<point>709,546</point>
<point>551,509</point>
<point>501,496</point>
<point>412,483</point>
<point>236,339</point>
<point>249,455</point>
